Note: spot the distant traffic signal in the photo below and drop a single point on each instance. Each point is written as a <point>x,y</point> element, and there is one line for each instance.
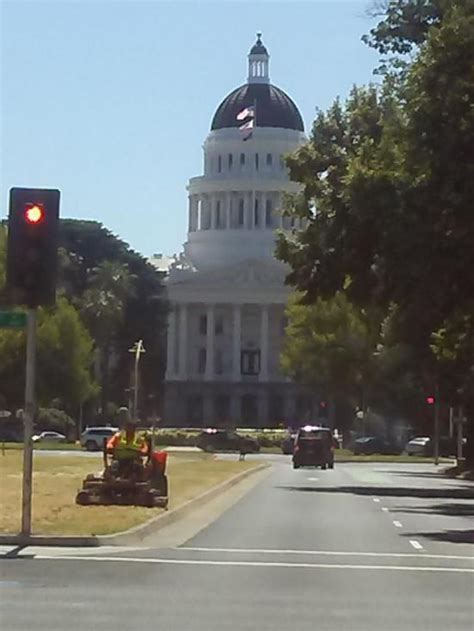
<point>430,400</point>
<point>32,246</point>
<point>323,412</point>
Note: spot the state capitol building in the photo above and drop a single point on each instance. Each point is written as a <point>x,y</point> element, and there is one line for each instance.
<point>226,290</point>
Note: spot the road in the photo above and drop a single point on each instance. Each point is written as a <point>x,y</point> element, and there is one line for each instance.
<point>363,547</point>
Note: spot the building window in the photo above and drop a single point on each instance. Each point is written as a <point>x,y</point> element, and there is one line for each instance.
<point>256,162</point>
<point>250,362</point>
<point>268,213</point>
<point>218,363</point>
<point>203,324</point>
<point>202,361</point>
<point>256,214</point>
<point>269,159</point>
<point>219,327</point>
<point>219,164</point>
<point>240,221</point>
<point>230,161</point>
<point>218,215</point>
<point>242,159</point>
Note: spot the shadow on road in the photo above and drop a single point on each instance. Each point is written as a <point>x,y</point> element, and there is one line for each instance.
<point>432,475</point>
<point>461,492</point>
<point>448,536</point>
<point>450,510</point>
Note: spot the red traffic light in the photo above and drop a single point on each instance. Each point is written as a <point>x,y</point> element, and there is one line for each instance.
<point>430,400</point>
<point>34,214</point>
<point>322,404</point>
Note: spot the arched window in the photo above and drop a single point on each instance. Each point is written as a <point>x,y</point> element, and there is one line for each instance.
<point>256,161</point>
<point>256,214</point>
<point>230,160</point>
<point>219,164</point>
<point>269,159</point>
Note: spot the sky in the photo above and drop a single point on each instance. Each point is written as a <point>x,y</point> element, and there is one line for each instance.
<point>111,101</point>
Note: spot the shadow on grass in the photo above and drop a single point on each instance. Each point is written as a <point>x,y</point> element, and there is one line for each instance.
<point>446,536</point>
<point>463,492</point>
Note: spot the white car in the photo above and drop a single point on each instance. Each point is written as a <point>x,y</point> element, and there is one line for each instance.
<point>418,446</point>
<point>49,437</point>
<point>92,438</point>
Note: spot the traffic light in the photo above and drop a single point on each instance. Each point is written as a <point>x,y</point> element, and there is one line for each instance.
<point>430,400</point>
<point>323,411</point>
<point>32,246</point>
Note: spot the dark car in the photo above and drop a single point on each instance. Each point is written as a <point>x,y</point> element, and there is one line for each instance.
<point>369,445</point>
<point>226,440</point>
<point>314,447</point>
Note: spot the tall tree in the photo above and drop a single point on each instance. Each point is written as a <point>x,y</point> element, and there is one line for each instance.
<point>389,203</point>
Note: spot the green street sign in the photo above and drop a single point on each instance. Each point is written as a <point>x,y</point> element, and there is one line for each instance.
<point>12,320</point>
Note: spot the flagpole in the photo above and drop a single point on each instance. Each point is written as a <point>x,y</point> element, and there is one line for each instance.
<point>255,169</point>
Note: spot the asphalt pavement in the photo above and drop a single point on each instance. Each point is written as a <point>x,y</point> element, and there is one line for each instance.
<point>361,547</point>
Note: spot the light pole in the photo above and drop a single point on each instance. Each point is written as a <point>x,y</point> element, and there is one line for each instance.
<point>137,349</point>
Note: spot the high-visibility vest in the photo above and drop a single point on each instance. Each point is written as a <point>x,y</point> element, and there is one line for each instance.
<point>125,446</point>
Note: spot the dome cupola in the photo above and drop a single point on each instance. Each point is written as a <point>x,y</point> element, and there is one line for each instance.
<point>273,107</point>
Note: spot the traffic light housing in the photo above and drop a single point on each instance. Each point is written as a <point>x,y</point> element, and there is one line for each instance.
<point>32,246</point>
<point>430,400</point>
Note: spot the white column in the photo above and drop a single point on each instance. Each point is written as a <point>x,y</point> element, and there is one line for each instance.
<point>210,332</point>
<point>171,343</point>
<point>183,341</point>
<point>236,335</point>
<point>264,343</point>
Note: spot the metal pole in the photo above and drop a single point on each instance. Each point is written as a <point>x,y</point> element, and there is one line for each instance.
<point>436,426</point>
<point>28,422</point>
<point>459,435</point>
<point>451,424</point>
<point>135,385</point>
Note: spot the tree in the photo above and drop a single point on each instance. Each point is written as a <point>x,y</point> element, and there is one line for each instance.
<point>64,358</point>
<point>388,183</point>
<point>86,245</point>
<point>328,345</point>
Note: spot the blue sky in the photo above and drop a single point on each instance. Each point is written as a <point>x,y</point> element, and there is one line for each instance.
<point>110,101</point>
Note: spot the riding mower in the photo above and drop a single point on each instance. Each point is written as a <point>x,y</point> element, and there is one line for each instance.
<point>140,481</point>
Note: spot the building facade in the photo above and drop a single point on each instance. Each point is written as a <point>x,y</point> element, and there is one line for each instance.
<point>226,291</point>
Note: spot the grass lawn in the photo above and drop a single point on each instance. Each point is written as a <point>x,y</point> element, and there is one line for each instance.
<point>57,478</point>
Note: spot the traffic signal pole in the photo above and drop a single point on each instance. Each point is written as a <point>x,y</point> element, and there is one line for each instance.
<point>29,413</point>
<point>436,426</point>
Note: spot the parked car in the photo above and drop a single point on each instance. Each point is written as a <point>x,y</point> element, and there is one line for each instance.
<point>92,438</point>
<point>419,446</point>
<point>49,437</point>
<point>226,440</point>
<point>314,447</point>
<point>287,444</point>
<point>369,445</point>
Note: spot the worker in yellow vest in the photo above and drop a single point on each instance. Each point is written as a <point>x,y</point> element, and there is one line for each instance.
<point>127,444</point>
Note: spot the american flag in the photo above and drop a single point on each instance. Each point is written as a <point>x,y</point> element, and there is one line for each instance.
<point>247,129</point>
<point>247,112</point>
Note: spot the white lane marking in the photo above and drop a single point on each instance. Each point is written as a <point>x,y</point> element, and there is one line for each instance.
<point>323,553</point>
<point>265,564</point>
<point>376,499</point>
<point>313,479</point>
<point>416,544</point>
<point>398,524</point>
<point>385,509</point>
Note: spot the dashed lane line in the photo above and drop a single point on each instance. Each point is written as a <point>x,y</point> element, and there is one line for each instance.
<point>376,499</point>
<point>398,524</point>
<point>416,544</point>
<point>385,509</point>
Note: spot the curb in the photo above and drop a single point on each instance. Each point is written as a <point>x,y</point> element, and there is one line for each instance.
<point>137,533</point>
